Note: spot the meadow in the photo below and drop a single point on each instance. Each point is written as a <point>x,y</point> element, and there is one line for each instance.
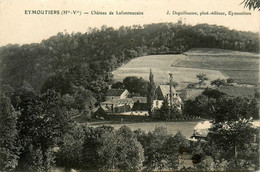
<point>140,67</point>
<point>161,66</point>
<point>243,67</point>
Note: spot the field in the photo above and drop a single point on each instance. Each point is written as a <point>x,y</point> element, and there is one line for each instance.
<point>161,66</point>
<point>243,67</point>
<point>186,128</point>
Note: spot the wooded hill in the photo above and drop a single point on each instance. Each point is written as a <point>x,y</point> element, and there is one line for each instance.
<point>68,60</point>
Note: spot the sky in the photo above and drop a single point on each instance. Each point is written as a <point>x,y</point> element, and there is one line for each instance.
<point>20,28</point>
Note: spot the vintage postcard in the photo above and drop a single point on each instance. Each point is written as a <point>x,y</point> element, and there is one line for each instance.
<point>127,85</point>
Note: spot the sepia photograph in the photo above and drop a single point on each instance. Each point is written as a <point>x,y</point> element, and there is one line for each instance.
<point>127,85</point>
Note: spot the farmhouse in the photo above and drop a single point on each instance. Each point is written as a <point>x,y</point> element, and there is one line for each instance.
<point>162,92</point>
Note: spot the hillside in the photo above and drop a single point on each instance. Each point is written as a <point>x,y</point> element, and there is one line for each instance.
<point>66,61</point>
<point>161,66</point>
<point>216,63</point>
<point>243,67</point>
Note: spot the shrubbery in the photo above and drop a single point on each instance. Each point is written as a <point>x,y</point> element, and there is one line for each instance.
<point>213,104</point>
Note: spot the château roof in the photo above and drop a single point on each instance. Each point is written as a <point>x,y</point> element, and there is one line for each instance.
<point>166,89</point>
<point>119,101</point>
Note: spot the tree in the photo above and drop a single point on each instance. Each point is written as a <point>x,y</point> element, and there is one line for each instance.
<point>191,85</point>
<point>218,82</point>
<point>136,85</point>
<point>232,134</point>
<point>154,152</point>
<point>41,125</point>
<point>120,150</point>
<point>99,88</point>
<point>251,4</point>
<point>59,82</point>
<point>165,111</point>
<point>9,143</point>
<point>230,80</point>
<point>254,108</point>
<point>150,92</point>
<point>84,101</point>
<point>70,150</point>
<point>23,93</point>
<point>217,105</point>
<point>202,78</point>
<point>174,84</point>
<point>173,147</point>
<point>105,148</point>
<point>118,85</point>
<point>234,139</point>
<point>91,146</point>
<point>229,108</point>
<point>33,159</point>
<point>213,93</point>
<point>204,107</point>
<point>207,164</point>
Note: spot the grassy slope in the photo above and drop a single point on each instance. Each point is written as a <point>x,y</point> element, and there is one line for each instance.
<point>140,67</point>
<point>243,67</point>
<point>161,66</point>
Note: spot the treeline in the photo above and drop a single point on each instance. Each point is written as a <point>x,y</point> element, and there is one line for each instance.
<point>214,104</point>
<point>100,51</point>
